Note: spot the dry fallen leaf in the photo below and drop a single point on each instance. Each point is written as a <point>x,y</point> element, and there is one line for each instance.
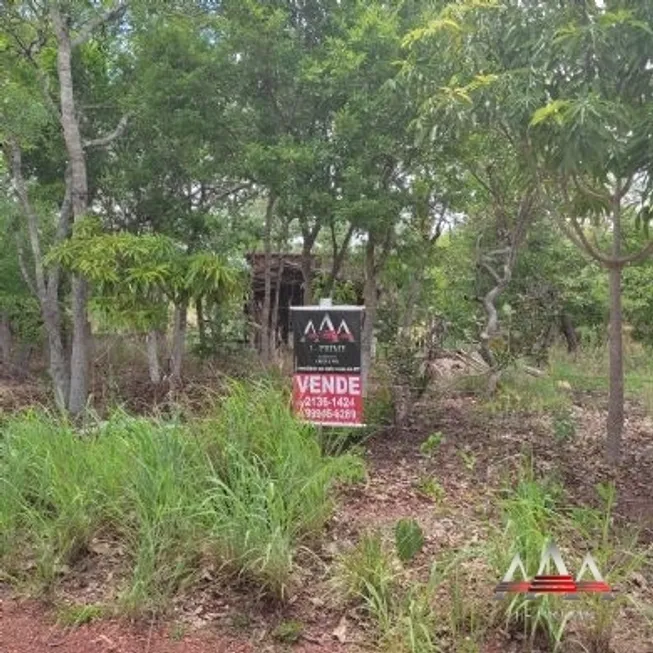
<point>340,631</point>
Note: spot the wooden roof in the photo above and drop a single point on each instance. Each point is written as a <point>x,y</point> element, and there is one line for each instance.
<point>290,263</point>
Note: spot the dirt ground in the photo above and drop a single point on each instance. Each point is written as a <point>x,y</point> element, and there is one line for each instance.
<point>211,618</point>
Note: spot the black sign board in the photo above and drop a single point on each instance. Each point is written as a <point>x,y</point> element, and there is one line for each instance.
<point>327,339</point>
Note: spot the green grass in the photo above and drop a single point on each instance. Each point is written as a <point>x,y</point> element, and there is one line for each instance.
<point>409,616</point>
<point>75,615</point>
<point>245,487</point>
<point>553,392</point>
<point>587,371</point>
<point>521,392</point>
<point>288,632</point>
<point>532,514</point>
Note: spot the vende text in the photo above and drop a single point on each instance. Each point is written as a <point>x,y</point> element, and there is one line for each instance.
<point>328,398</point>
<point>329,384</point>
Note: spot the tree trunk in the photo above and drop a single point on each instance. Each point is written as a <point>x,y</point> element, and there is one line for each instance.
<point>5,339</point>
<point>201,324</point>
<point>615,421</point>
<point>369,295</point>
<point>79,360</point>
<point>339,255</point>
<point>568,331</point>
<point>58,363</point>
<point>307,271</point>
<point>178,343</point>
<point>266,338</point>
<point>79,363</point>
<point>487,334</point>
<point>277,300</point>
<point>616,397</point>
<point>152,342</point>
<point>47,291</point>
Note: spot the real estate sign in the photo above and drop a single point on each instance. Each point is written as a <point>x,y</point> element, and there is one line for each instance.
<point>327,387</point>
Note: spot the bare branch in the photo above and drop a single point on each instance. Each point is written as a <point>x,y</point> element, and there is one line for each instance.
<point>477,177</point>
<point>107,139</point>
<point>488,268</point>
<point>88,28</point>
<point>637,257</point>
<point>32,219</point>
<point>63,227</point>
<point>231,191</point>
<point>23,268</point>
<point>586,245</point>
<point>497,252</point>
<point>66,210</point>
<point>587,190</point>
<point>572,229</point>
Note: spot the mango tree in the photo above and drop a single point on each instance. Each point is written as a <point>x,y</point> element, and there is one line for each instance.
<point>135,278</point>
<point>592,141</point>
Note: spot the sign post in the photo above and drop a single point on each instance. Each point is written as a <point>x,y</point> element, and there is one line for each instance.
<point>327,382</point>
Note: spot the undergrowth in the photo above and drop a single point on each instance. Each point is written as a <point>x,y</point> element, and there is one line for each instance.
<point>533,514</point>
<point>449,607</point>
<point>553,390</point>
<point>243,488</point>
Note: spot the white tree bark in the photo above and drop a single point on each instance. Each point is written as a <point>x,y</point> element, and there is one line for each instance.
<point>45,288</point>
<point>79,359</point>
<point>152,342</point>
<point>178,343</point>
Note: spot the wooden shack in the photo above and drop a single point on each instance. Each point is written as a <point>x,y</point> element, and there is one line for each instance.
<point>286,290</point>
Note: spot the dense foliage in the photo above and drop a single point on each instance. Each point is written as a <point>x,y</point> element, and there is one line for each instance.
<point>473,171</point>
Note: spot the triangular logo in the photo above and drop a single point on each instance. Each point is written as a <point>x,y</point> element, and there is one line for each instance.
<point>327,324</point>
<point>310,328</point>
<point>552,554</point>
<point>514,566</point>
<point>590,564</point>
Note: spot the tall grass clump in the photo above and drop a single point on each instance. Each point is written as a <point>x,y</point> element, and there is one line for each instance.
<point>530,518</point>
<point>270,484</point>
<point>532,514</point>
<point>427,613</point>
<point>247,486</point>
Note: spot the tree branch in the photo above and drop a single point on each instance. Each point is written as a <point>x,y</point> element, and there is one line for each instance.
<point>89,27</point>
<point>621,192</point>
<point>23,268</point>
<point>107,139</point>
<point>586,190</point>
<point>63,227</point>
<point>586,245</point>
<point>488,268</point>
<point>32,219</point>
<point>574,232</point>
<point>637,257</point>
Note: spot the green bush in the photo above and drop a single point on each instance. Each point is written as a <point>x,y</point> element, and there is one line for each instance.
<point>245,486</point>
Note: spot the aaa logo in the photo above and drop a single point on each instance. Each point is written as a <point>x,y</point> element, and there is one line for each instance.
<point>561,583</point>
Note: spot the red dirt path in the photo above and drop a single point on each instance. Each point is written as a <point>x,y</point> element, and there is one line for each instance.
<point>26,628</point>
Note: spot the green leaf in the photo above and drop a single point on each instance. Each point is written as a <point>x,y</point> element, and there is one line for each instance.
<point>553,111</point>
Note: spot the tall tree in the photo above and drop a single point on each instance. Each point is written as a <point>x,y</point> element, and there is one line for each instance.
<point>31,32</point>
<point>592,143</point>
